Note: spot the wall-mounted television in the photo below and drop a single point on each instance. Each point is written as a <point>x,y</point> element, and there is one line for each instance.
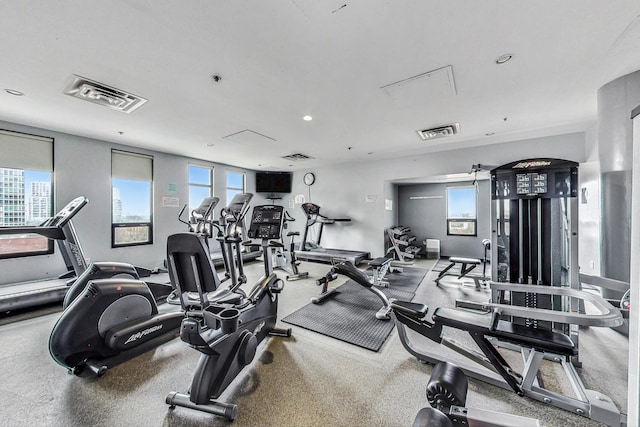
<point>273,182</point>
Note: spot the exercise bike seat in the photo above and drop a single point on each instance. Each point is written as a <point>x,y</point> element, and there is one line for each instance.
<point>537,338</point>
<point>293,233</point>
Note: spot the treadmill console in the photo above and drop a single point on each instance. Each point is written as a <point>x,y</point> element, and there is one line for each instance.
<point>266,222</point>
<point>310,209</point>
<point>65,214</point>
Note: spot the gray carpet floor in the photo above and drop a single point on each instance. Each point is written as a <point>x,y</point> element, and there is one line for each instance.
<point>306,380</point>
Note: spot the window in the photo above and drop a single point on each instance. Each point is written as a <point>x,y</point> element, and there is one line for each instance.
<point>461,211</point>
<point>235,184</point>
<point>200,185</point>
<point>131,199</point>
<point>26,196</point>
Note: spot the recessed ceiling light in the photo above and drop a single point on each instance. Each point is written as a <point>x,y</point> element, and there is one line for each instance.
<point>210,144</point>
<point>307,118</point>
<point>14,92</point>
<point>504,58</point>
<point>489,133</point>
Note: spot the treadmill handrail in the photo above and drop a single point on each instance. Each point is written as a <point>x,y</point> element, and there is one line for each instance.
<point>609,315</point>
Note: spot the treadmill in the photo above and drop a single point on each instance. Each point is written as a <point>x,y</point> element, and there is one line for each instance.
<point>59,228</point>
<point>312,251</point>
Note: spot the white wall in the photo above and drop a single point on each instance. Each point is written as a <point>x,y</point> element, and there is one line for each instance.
<point>341,190</point>
<point>356,190</point>
<point>82,166</point>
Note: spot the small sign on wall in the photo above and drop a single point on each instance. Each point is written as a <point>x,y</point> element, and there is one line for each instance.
<point>172,188</point>
<point>371,198</point>
<point>170,202</point>
<point>388,204</point>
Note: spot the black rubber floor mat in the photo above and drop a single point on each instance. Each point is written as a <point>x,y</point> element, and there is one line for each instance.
<point>349,315</point>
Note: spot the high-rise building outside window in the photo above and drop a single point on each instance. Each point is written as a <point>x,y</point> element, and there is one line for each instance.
<point>131,199</point>
<point>26,191</point>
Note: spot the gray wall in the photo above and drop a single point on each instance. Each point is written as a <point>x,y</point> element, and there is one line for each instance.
<point>427,218</point>
<point>82,166</point>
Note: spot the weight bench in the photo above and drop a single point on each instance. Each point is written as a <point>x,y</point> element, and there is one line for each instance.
<point>380,267</point>
<point>466,266</point>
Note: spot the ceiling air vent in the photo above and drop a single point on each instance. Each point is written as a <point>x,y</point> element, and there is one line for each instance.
<point>297,157</point>
<point>98,93</point>
<point>440,131</point>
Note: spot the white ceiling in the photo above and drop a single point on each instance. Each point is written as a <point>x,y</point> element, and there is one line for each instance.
<point>281,60</point>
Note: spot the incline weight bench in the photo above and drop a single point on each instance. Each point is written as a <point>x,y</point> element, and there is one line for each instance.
<point>467,265</point>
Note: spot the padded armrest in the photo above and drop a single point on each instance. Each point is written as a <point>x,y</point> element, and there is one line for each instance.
<point>410,309</point>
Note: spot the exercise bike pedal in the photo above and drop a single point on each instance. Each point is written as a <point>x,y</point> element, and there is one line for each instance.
<point>280,332</point>
<point>227,410</point>
<point>96,367</point>
<point>277,286</point>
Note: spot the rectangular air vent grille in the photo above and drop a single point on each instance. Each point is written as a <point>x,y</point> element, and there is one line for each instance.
<point>297,157</point>
<point>101,94</point>
<point>440,131</point>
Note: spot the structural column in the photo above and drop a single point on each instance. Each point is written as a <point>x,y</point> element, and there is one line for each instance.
<point>615,154</point>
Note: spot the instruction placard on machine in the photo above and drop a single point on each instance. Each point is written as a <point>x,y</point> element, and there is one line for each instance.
<point>531,183</point>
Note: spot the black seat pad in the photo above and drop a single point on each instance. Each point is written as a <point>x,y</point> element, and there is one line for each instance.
<point>379,262</point>
<point>537,338</point>
<point>464,260</point>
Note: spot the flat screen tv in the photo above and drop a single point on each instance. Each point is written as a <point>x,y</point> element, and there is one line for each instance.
<point>273,182</point>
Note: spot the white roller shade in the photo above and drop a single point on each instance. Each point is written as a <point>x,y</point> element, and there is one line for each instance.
<point>131,166</point>
<point>22,151</point>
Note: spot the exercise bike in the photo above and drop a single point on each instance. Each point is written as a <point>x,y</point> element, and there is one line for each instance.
<point>227,328</point>
<point>286,260</point>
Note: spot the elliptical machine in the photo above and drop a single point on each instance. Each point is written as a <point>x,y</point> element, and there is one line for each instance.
<point>231,239</point>
<point>228,328</point>
<point>286,260</point>
<point>107,321</point>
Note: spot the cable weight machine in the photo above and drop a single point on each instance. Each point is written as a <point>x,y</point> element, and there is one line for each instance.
<point>534,213</point>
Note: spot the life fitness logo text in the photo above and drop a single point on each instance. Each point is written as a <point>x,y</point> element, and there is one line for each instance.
<point>536,164</point>
<point>141,334</point>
